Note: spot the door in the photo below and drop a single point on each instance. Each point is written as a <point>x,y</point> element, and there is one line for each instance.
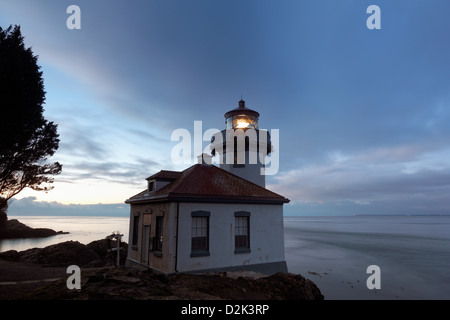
<point>145,244</point>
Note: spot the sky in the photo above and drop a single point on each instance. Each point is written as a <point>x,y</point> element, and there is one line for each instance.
<point>363,114</point>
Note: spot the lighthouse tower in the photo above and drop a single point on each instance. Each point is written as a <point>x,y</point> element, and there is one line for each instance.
<point>242,147</point>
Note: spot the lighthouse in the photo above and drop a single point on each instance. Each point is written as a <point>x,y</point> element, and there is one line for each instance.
<point>210,218</point>
<point>242,147</point>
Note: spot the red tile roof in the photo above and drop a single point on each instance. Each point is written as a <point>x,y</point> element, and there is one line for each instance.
<point>208,183</point>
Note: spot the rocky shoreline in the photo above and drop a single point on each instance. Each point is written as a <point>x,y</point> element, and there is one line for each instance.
<point>13,229</point>
<point>93,255</point>
<point>41,274</point>
<point>131,284</point>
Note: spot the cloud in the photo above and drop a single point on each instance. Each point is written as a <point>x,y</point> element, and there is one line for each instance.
<point>82,143</point>
<point>363,116</point>
<point>30,206</point>
<point>410,177</point>
<point>127,173</point>
<point>144,135</point>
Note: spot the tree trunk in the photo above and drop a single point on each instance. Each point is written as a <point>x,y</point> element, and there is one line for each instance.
<point>3,209</point>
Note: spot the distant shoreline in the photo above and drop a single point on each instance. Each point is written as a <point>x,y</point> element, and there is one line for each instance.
<point>14,229</point>
<point>285,216</point>
<point>66,215</point>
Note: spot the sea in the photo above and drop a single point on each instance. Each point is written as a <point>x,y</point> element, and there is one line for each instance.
<point>411,253</point>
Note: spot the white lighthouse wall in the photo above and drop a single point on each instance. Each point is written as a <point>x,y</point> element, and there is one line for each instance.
<point>266,237</point>
<point>249,172</point>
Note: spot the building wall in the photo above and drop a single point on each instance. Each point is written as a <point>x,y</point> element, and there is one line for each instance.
<point>140,252</point>
<point>266,236</point>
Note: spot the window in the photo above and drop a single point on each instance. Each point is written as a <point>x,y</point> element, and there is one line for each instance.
<point>236,159</point>
<point>158,240</point>
<point>200,234</point>
<point>134,241</point>
<point>151,186</point>
<point>241,232</point>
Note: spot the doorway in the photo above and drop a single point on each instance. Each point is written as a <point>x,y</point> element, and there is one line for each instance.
<point>146,244</point>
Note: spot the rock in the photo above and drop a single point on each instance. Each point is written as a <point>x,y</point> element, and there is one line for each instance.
<point>288,286</point>
<point>62,255</point>
<point>129,284</point>
<point>13,229</point>
<point>103,249</point>
<point>10,255</point>
<point>126,283</point>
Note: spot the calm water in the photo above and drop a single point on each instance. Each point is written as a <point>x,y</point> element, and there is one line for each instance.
<point>413,253</point>
<point>82,229</point>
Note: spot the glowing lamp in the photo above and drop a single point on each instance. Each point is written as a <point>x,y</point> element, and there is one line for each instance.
<point>241,117</point>
<point>241,124</point>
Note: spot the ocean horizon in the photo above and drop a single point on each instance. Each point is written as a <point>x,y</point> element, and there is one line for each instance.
<point>412,252</point>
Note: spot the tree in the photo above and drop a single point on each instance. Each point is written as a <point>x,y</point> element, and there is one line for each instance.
<point>26,138</point>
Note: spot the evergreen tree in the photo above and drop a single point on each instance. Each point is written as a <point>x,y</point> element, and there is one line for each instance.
<point>26,138</point>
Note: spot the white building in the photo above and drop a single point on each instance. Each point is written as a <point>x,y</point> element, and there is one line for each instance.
<point>207,218</point>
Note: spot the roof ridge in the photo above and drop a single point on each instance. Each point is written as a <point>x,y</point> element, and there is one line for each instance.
<point>165,174</point>
<point>206,182</point>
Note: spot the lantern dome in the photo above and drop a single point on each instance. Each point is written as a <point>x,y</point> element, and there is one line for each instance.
<point>241,117</point>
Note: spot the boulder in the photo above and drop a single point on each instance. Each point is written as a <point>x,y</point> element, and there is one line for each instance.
<point>95,254</point>
<point>104,250</point>
<point>62,255</point>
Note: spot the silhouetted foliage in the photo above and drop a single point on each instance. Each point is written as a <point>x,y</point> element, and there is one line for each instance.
<point>26,138</point>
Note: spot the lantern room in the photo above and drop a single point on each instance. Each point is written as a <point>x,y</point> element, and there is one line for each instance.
<point>241,118</point>
<point>242,152</point>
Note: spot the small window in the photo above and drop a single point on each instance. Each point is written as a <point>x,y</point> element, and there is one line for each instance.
<point>200,234</point>
<point>242,232</point>
<point>158,240</point>
<point>151,186</point>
